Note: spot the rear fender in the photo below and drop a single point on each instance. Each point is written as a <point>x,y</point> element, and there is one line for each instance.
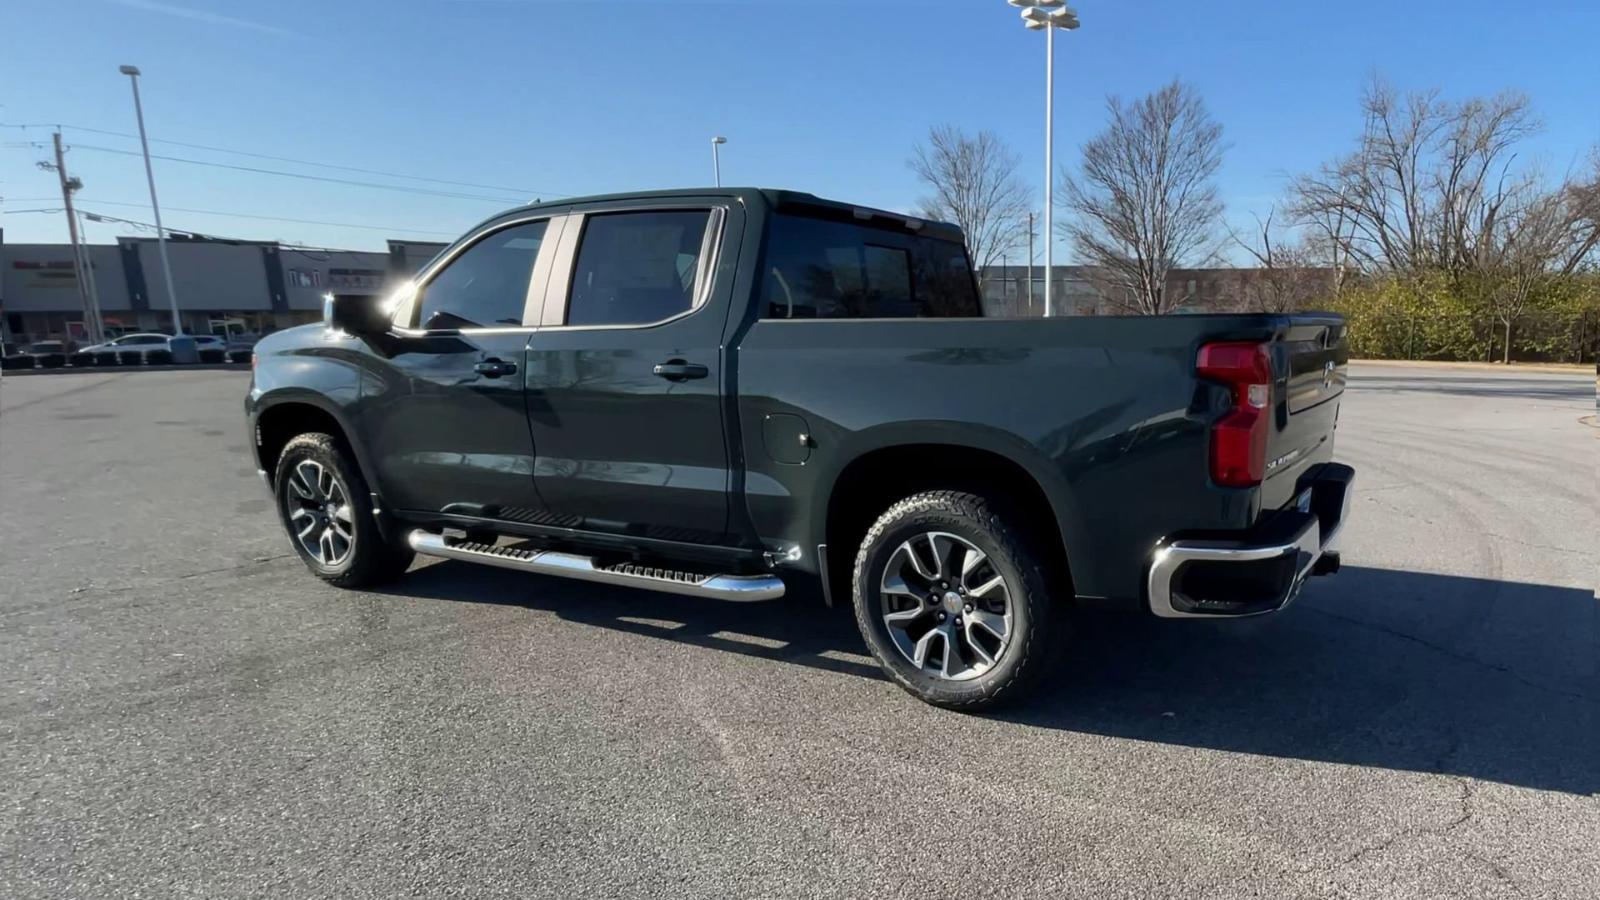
<point>1056,490</point>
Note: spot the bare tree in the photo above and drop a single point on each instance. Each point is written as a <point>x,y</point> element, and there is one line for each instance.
<point>1328,235</point>
<point>1286,276</point>
<point>974,184</point>
<point>1146,202</point>
<point>1580,241</point>
<point>1427,184</point>
<point>1538,238</point>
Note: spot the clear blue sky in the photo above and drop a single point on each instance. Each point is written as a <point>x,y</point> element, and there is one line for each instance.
<point>583,96</point>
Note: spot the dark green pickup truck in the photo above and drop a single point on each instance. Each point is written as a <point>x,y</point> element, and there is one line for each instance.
<point>729,393</point>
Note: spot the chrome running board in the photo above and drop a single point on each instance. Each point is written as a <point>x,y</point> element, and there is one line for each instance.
<point>737,588</point>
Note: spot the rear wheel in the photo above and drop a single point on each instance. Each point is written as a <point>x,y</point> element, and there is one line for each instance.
<point>953,602</point>
<point>326,508</point>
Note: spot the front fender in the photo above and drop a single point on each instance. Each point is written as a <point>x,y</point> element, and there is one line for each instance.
<point>325,377</point>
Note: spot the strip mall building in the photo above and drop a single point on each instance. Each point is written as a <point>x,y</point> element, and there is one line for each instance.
<point>222,286</point>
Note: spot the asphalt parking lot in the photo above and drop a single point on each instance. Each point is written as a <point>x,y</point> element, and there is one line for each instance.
<point>188,713</point>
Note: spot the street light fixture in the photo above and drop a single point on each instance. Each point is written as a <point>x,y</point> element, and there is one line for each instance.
<point>161,233</point>
<point>716,161</point>
<point>1047,16</point>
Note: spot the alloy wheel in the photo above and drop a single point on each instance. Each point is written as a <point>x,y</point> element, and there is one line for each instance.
<point>319,513</point>
<point>947,608</point>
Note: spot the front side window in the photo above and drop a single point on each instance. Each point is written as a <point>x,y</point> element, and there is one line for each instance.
<point>819,268</point>
<point>635,268</point>
<point>487,285</point>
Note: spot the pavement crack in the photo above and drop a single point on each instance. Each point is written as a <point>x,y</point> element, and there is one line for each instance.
<point>1461,657</point>
<point>251,563</point>
<point>1401,511</point>
<point>1533,546</point>
<point>1465,816</point>
<point>66,393</point>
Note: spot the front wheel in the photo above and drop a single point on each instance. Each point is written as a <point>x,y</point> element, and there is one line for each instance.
<point>953,602</point>
<point>326,508</point>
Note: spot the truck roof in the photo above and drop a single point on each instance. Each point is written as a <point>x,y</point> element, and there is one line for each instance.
<point>777,198</point>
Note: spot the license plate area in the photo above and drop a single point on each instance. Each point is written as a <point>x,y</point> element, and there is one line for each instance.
<point>1302,503</point>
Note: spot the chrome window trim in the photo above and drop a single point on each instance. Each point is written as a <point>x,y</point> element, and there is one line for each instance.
<point>532,301</point>
<point>710,250</point>
<point>559,295</point>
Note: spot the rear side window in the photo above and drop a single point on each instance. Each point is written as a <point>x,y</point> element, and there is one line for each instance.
<point>487,285</point>
<point>636,268</point>
<point>822,269</point>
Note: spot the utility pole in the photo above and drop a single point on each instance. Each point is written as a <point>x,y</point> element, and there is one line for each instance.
<point>79,262</point>
<point>94,291</point>
<point>1030,262</point>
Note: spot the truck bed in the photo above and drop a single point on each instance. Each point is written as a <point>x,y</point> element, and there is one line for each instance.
<point>1105,412</point>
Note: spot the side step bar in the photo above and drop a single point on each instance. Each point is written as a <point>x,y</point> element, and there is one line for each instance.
<point>737,588</point>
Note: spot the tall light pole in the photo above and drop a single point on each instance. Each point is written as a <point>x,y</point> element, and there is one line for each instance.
<point>161,233</point>
<point>716,161</point>
<point>1036,18</point>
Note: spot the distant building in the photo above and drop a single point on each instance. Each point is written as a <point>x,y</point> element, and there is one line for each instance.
<point>1078,292</point>
<point>223,286</point>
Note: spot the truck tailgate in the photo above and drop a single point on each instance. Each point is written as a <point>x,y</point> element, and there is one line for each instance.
<point>1312,355</point>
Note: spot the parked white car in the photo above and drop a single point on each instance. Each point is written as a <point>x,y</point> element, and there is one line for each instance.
<point>148,341</point>
<point>155,341</point>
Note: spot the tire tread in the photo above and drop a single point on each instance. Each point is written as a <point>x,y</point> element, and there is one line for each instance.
<point>1046,622</point>
<point>375,560</point>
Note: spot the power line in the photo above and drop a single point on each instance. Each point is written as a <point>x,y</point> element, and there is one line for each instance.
<point>146,226</point>
<point>301,162</point>
<point>215,212</point>
<point>169,229</point>
<point>237,215</point>
<point>302,175</point>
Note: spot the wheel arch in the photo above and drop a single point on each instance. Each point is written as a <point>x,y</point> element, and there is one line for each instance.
<point>280,417</point>
<point>901,462</point>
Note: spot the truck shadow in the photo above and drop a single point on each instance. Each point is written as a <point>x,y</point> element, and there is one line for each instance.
<point>1399,670</point>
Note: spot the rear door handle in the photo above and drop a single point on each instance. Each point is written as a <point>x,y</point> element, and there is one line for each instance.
<point>678,370</point>
<point>494,368</point>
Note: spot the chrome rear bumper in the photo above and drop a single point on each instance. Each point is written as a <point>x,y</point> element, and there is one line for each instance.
<point>1261,572</point>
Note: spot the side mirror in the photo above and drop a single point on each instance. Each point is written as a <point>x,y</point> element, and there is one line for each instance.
<point>356,314</point>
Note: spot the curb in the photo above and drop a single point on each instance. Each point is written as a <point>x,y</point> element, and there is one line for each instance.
<point>1531,368</point>
<point>129,370</point>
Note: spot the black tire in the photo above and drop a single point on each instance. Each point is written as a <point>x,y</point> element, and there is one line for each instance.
<point>1036,628</point>
<point>369,558</point>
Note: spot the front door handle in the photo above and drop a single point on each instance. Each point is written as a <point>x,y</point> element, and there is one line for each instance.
<point>494,368</point>
<point>678,370</point>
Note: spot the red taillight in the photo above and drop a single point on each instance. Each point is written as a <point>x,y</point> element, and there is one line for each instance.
<point>1239,439</point>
